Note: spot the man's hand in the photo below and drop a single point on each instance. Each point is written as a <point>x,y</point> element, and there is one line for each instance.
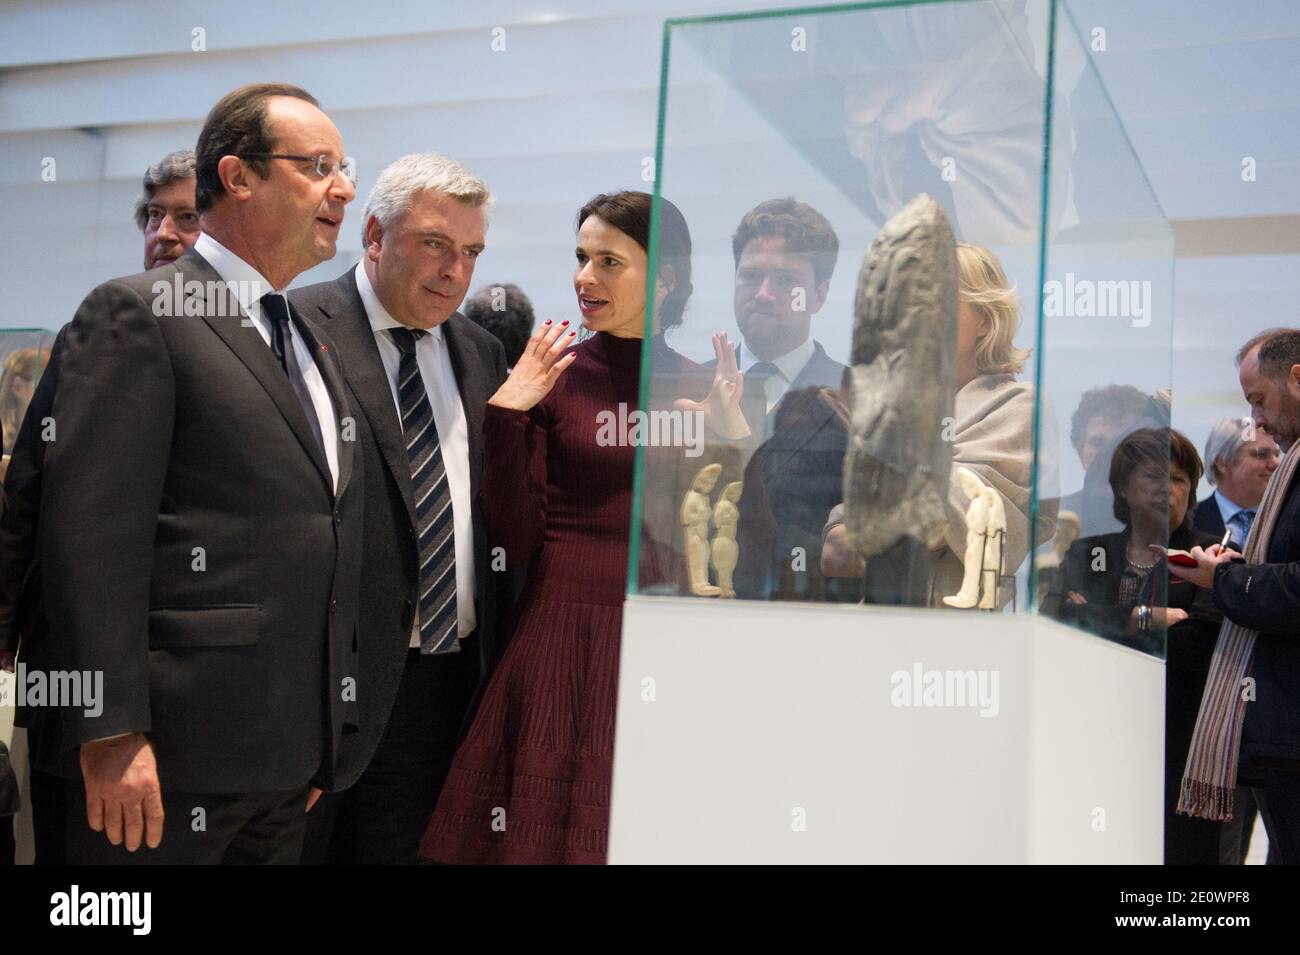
<point>1207,559</point>
<point>123,798</point>
<point>839,557</point>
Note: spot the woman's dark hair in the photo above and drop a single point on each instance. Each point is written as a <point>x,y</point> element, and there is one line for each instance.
<point>629,212</point>
<point>505,312</point>
<point>1164,448</point>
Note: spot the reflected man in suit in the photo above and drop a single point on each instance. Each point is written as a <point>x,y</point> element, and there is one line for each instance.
<point>420,374</point>
<point>785,253</point>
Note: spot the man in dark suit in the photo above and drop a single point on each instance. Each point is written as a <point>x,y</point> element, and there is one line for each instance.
<point>420,375</point>
<point>9,800</point>
<point>200,516</point>
<point>1262,597</point>
<point>785,255</point>
<point>1239,460</point>
<point>166,215</point>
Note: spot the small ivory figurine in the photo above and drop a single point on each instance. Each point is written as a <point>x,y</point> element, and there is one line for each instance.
<point>695,524</point>
<point>726,552</point>
<point>994,544</point>
<point>986,524</point>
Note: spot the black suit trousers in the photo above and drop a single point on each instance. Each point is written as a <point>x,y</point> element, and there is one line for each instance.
<point>381,818</point>
<point>201,829</point>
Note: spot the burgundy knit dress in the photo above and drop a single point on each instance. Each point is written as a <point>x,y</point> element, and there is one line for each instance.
<point>531,781</point>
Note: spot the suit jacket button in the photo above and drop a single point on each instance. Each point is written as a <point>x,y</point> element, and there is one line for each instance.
<point>334,606</point>
<point>338,517</point>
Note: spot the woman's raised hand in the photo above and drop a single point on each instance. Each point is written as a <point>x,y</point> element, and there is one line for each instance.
<point>721,409</point>
<point>538,368</point>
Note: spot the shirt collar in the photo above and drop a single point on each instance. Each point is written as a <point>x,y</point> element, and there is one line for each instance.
<point>789,365</point>
<point>248,284</point>
<point>380,319</point>
<point>1228,509</point>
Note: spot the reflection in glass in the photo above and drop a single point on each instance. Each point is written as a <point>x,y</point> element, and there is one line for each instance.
<point>23,357</point>
<point>787,141</point>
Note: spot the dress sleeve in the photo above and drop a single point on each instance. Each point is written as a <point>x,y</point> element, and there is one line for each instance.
<point>514,481</point>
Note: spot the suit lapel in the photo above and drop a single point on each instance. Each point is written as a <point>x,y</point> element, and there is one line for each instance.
<point>473,393</point>
<point>819,371</point>
<point>241,337</point>
<point>329,370</point>
<point>346,323</point>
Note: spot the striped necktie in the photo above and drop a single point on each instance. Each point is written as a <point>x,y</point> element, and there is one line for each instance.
<point>1240,523</point>
<point>433,511</point>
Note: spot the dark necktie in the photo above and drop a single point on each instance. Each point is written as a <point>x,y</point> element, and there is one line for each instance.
<point>754,403</point>
<point>276,308</point>
<point>433,510</point>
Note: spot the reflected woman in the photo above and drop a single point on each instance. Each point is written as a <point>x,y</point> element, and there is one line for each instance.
<point>531,781</point>
<point>992,431</point>
<point>1118,586</point>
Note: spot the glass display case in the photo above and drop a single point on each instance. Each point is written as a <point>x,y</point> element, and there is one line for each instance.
<point>24,353</point>
<point>903,534</point>
<point>787,141</point>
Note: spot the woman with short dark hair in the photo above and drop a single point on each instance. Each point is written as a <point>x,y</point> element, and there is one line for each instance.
<point>1119,586</point>
<point>531,781</point>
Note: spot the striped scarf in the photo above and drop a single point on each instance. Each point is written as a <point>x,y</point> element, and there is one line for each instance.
<point>1211,770</point>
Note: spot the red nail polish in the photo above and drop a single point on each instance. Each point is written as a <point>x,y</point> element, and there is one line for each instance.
<point>565,322</point>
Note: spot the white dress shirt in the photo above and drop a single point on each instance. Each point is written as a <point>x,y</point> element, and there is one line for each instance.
<point>790,365</point>
<point>453,435</point>
<point>248,286</point>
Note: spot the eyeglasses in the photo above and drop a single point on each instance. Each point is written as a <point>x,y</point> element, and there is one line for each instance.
<point>327,167</point>
<point>1264,454</point>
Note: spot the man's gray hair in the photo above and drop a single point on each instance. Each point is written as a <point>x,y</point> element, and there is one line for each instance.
<point>173,166</point>
<point>1225,440</point>
<point>402,180</point>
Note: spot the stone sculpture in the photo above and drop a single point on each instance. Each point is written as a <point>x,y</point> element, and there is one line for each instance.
<point>904,344</point>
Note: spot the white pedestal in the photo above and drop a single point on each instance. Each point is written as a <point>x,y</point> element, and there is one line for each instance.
<point>775,733</point>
